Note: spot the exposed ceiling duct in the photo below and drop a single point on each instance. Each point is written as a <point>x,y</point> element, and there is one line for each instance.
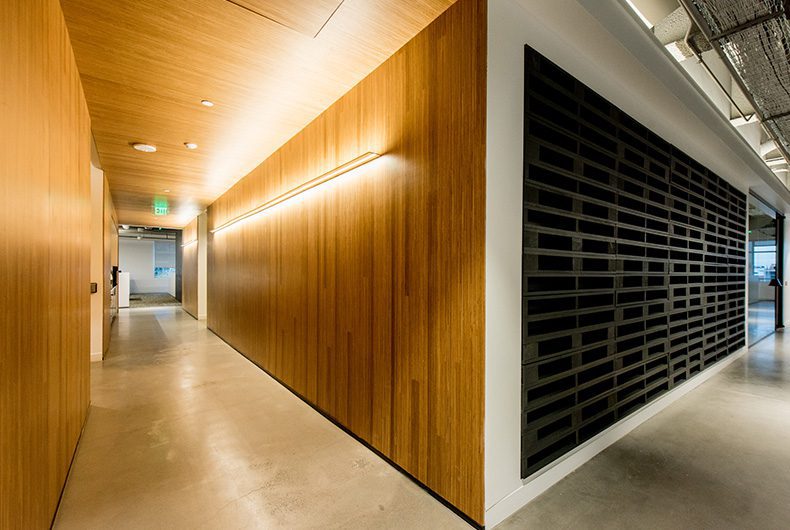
<point>144,232</point>
<point>753,38</point>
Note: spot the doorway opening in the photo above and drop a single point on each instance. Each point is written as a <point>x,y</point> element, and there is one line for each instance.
<point>149,267</point>
<point>764,269</point>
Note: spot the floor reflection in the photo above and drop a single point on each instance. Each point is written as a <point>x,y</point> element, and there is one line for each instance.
<point>761,320</point>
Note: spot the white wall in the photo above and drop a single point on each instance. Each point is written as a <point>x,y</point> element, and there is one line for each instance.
<point>97,262</point>
<point>136,256</point>
<point>504,185</point>
<point>605,46</point>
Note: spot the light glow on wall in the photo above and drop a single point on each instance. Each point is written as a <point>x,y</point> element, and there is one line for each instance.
<point>340,170</point>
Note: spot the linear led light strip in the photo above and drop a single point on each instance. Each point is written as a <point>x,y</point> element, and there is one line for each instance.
<point>189,243</point>
<point>345,168</point>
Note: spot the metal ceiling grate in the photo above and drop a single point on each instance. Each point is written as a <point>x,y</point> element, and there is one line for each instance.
<point>753,38</point>
<point>760,55</point>
<point>725,15</point>
<point>780,128</point>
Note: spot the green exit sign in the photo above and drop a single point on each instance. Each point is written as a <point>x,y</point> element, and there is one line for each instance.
<point>161,206</point>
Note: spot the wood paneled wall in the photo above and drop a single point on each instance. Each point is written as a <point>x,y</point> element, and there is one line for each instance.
<point>189,269</point>
<point>366,295</point>
<point>44,260</point>
<point>110,259</point>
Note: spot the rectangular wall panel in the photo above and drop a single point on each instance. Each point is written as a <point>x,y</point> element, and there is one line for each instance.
<point>366,295</point>
<point>634,265</point>
<point>44,261</point>
<point>189,268</point>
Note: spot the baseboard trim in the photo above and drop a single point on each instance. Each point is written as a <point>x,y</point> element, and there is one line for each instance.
<point>97,356</point>
<point>549,476</point>
<point>202,316</point>
<point>71,467</point>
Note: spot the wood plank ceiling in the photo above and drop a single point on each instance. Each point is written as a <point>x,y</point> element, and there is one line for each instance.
<point>270,67</point>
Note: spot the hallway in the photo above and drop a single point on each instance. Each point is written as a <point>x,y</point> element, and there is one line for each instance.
<point>465,264</point>
<point>184,432</point>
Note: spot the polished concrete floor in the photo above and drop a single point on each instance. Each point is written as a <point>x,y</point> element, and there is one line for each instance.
<point>184,432</point>
<point>762,320</point>
<point>717,458</point>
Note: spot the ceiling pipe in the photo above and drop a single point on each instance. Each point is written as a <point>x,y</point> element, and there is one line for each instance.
<point>697,19</point>
<point>698,54</point>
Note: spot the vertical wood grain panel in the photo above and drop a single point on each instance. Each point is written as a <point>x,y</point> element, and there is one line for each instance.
<point>44,260</point>
<point>365,295</point>
<point>189,269</point>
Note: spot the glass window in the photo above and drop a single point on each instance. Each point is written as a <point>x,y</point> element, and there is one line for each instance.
<point>764,260</point>
<point>164,259</point>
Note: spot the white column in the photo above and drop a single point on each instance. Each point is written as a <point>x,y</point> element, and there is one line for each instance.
<point>97,263</point>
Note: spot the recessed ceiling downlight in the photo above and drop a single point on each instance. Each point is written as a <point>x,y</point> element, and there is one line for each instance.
<point>145,148</point>
<point>190,145</point>
<point>206,103</point>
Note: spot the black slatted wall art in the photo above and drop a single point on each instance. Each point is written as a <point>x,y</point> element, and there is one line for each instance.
<point>634,265</point>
